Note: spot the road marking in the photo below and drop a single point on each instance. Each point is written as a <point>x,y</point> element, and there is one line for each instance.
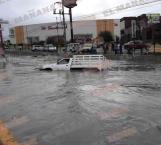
<point>122,135</point>
<point>6,137</point>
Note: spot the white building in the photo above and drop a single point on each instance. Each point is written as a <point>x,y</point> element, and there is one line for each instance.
<point>82,30</point>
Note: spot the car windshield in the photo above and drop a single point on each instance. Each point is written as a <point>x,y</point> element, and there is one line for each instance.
<point>63,61</point>
<point>80,72</point>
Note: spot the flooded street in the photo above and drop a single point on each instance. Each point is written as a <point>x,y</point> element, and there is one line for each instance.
<point>119,106</point>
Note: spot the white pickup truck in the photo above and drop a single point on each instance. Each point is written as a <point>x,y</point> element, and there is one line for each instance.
<point>79,62</point>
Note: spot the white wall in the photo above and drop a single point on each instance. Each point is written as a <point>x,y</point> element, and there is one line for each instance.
<point>133,24</point>
<point>79,27</point>
<point>122,25</point>
<point>117,27</point>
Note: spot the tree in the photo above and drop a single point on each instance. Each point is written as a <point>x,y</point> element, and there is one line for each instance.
<point>107,37</point>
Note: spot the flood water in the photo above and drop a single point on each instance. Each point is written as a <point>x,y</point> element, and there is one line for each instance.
<point>119,106</point>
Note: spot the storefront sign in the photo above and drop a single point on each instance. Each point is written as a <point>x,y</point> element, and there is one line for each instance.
<point>69,3</point>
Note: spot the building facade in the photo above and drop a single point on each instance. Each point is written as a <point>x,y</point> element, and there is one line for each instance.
<point>146,27</point>
<point>128,28</point>
<point>83,30</point>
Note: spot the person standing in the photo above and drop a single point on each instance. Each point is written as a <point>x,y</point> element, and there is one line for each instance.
<point>113,46</point>
<point>120,48</point>
<point>116,48</point>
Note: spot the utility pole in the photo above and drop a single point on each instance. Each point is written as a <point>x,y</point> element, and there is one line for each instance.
<point>70,4</point>
<point>153,37</point>
<point>57,28</point>
<point>1,37</point>
<point>61,12</point>
<point>64,24</point>
<point>71,25</point>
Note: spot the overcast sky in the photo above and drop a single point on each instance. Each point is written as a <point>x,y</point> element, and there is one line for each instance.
<point>20,12</point>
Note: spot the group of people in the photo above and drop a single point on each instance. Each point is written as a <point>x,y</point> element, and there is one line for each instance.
<point>117,48</point>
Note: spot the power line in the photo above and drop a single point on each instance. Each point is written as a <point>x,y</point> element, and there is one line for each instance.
<point>112,9</point>
<point>95,14</point>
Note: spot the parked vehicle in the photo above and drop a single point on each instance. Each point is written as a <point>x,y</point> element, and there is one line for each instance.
<point>37,48</point>
<point>136,44</point>
<point>73,47</point>
<point>89,48</point>
<point>79,62</point>
<point>50,47</point>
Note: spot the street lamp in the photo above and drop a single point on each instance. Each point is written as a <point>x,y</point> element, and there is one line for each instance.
<point>70,4</point>
<point>61,12</point>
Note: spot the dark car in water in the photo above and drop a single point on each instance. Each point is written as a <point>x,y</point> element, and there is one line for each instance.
<point>136,44</point>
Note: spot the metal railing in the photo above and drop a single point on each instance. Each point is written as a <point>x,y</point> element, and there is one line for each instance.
<point>88,61</point>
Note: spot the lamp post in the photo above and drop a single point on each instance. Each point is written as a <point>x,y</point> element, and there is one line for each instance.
<point>64,24</point>
<point>1,38</point>
<point>61,12</point>
<point>71,25</point>
<point>70,4</point>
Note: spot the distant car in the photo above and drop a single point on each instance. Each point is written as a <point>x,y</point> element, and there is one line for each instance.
<point>89,48</point>
<point>50,47</point>
<point>136,44</point>
<point>73,47</point>
<point>86,48</point>
<point>37,48</point>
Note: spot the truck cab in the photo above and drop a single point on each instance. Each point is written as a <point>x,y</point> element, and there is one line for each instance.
<point>62,64</point>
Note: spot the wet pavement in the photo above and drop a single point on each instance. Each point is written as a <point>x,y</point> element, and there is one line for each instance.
<point>120,106</point>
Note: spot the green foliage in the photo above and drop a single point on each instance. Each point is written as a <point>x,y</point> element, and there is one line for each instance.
<point>107,36</point>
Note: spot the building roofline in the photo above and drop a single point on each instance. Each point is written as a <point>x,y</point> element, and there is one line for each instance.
<point>129,18</point>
